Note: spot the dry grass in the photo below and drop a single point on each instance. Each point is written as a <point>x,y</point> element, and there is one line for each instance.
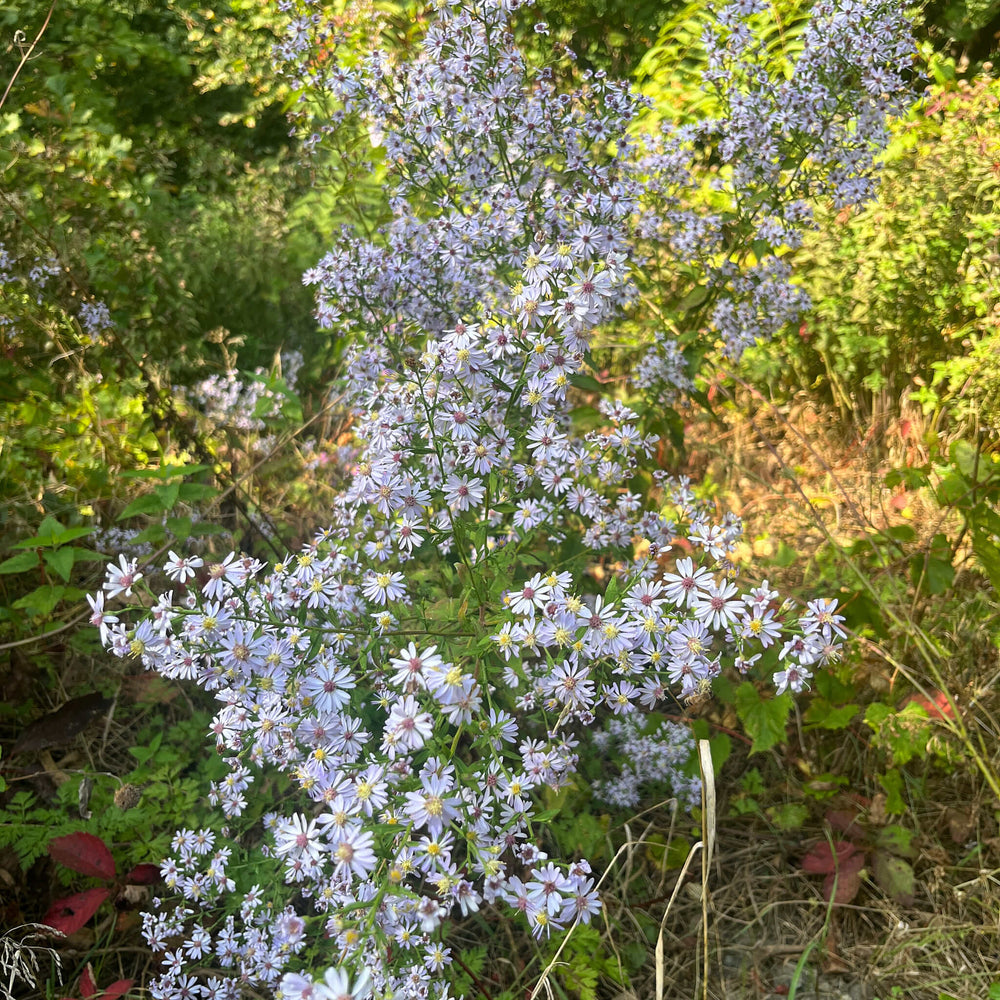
<point>798,476</point>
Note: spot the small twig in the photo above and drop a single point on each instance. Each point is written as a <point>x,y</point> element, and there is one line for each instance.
<point>27,55</point>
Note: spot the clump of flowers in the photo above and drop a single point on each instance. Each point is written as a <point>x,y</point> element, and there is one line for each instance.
<point>655,757</point>
<point>246,401</point>
<point>493,579</point>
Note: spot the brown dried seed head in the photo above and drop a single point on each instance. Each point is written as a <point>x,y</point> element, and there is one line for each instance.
<point>127,797</point>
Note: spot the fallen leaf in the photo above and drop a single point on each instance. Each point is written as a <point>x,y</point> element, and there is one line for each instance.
<point>61,727</point>
<point>84,853</point>
<point>845,883</point>
<point>896,877</point>
<point>936,707</point>
<point>822,859</point>
<point>961,823</point>
<point>71,913</point>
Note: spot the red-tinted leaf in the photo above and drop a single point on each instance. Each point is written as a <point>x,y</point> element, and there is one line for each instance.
<point>87,985</point>
<point>84,853</point>
<point>936,707</point>
<point>843,820</point>
<point>144,875</point>
<point>70,914</point>
<point>821,860</point>
<point>848,884</point>
<point>118,989</point>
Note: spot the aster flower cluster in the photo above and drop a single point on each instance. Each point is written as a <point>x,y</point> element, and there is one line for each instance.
<point>655,757</point>
<point>496,576</point>
<point>244,402</point>
<point>32,275</point>
<point>814,132</point>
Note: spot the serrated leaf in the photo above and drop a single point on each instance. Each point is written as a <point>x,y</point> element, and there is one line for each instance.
<point>72,534</point>
<point>764,719</point>
<point>60,561</point>
<point>892,783</point>
<point>168,494</point>
<point>41,600</point>
<point>193,492</point>
<point>150,503</point>
<point>20,563</point>
<point>822,715</point>
<point>83,853</point>
<point>179,527</point>
<point>788,816</point>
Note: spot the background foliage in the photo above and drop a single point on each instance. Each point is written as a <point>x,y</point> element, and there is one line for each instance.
<point>147,164</point>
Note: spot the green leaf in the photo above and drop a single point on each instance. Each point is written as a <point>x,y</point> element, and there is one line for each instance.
<point>693,299</point>
<point>721,747</point>
<point>764,719</point>
<point>788,816</point>
<point>898,840</point>
<point>892,783</point>
<point>586,382</point>
<point>179,527</point>
<point>168,494</point>
<point>668,855</point>
<point>87,555</point>
<point>193,492</point>
<point>164,472</point>
<point>822,715</point>
<point>896,877</point>
<point>20,563</point>
<point>149,503</point>
<point>50,534</point>
<point>42,600</point>
<point>48,531</point>
<point>60,561</point>
<point>965,458</point>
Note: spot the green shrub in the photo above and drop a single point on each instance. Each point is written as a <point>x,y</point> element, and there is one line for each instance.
<point>914,279</point>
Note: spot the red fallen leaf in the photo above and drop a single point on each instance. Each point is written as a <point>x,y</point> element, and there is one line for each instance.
<point>84,853</point>
<point>900,501</point>
<point>89,990</point>
<point>904,429</point>
<point>143,875</point>
<point>88,987</point>
<point>936,707</point>
<point>71,913</point>
<point>847,880</point>
<point>118,989</point>
<point>821,860</point>
<point>843,820</point>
